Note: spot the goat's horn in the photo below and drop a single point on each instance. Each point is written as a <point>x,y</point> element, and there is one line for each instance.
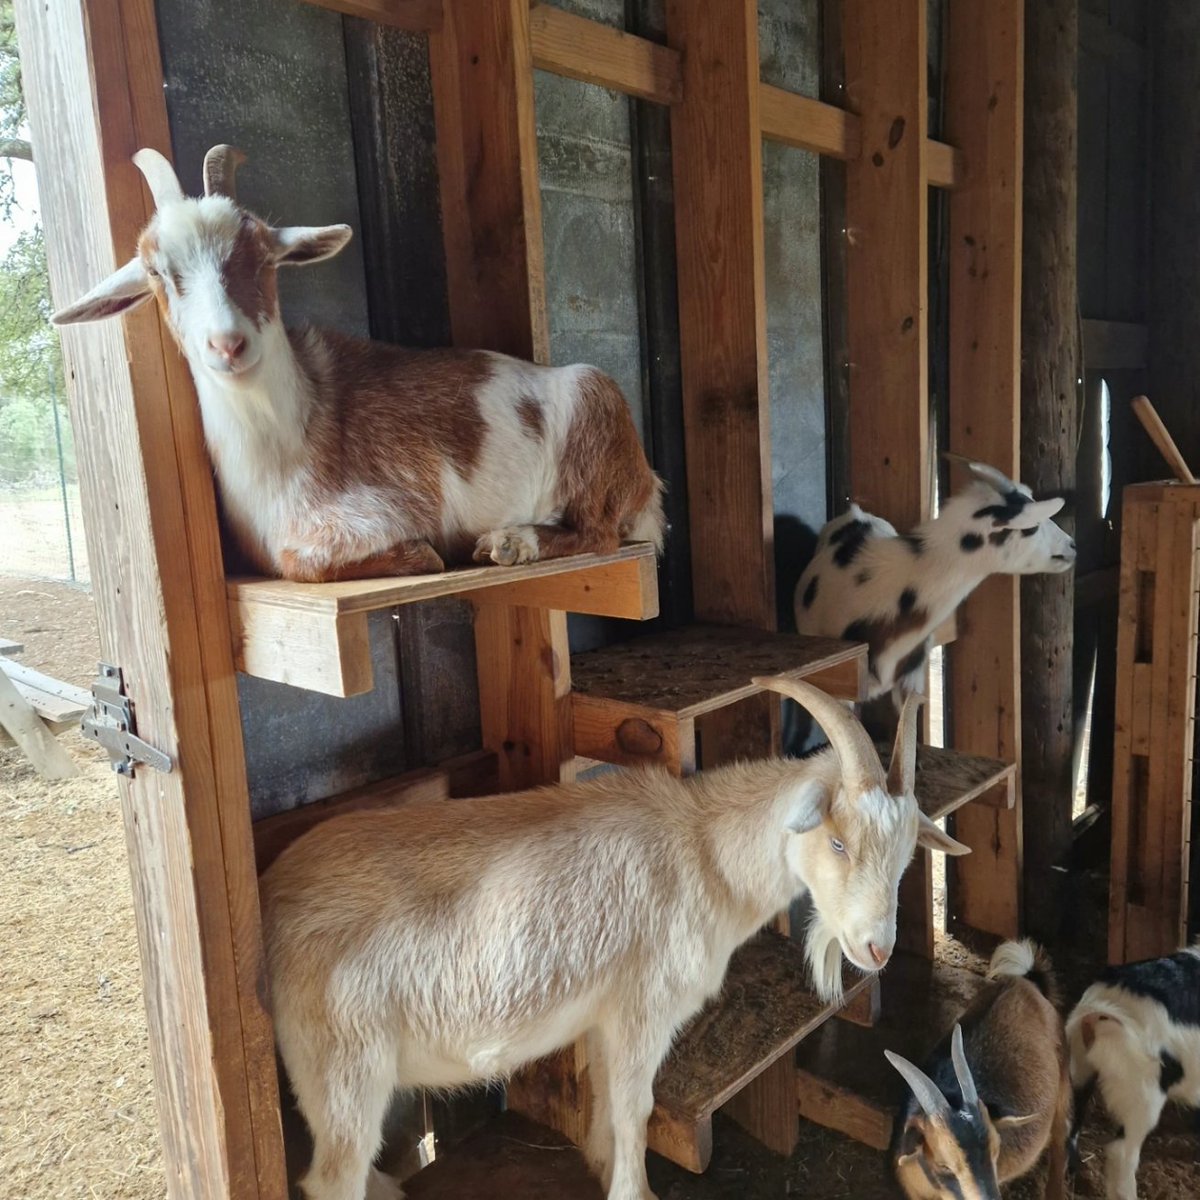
<point>992,476</point>
<point>929,1095</point>
<point>220,167</point>
<point>902,771</point>
<point>962,1070</point>
<point>160,175</point>
<point>861,769</point>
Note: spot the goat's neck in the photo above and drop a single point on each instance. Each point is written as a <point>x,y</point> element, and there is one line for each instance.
<point>262,420</point>
<point>944,575</point>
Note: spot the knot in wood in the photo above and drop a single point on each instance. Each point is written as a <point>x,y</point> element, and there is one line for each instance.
<point>635,736</point>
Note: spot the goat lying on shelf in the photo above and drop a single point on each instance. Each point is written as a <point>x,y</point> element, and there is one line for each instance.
<point>867,583</point>
<point>440,945</point>
<point>342,458</point>
<point>1136,1032</point>
<point>994,1095</point>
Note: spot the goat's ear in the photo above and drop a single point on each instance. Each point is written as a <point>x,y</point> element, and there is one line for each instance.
<point>933,838</point>
<point>121,291</point>
<point>1035,513</point>
<point>1014,1122</point>
<point>299,245</point>
<point>807,805</point>
<point>912,1140</point>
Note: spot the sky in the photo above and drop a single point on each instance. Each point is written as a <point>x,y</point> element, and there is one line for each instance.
<point>24,214</point>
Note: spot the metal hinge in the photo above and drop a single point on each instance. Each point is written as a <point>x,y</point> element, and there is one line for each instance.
<point>110,722</point>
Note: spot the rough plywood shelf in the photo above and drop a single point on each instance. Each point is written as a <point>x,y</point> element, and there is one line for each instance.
<point>509,1156</point>
<point>765,1008</point>
<point>637,702</point>
<point>948,779</point>
<point>314,635</point>
<point>843,1081</point>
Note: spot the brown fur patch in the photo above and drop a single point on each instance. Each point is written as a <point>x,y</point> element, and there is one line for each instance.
<point>248,274</point>
<point>881,632</point>
<point>405,558</point>
<point>605,483</point>
<point>530,412</point>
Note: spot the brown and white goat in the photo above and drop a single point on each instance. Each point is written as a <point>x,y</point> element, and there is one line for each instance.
<point>870,584</point>
<point>994,1095</point>
<point>342,458</point>
<point>444,944</point>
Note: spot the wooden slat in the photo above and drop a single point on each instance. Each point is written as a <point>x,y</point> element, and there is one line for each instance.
<point>94,85</point>
<point>949,779</point>
<point>595,53</point>
<point>766,1106</point>
<point>887,258</point>
<point>983,117</point>
<point>417,16</point>
<point>606,732</point>
<point>944,164</point>
<point>808,124</point>
<point>843,1109</point>
<point>26,728</point>
<point>54,699</point>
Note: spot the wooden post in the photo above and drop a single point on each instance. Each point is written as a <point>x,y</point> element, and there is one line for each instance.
<point>985,67</point>
<point>94,86</point>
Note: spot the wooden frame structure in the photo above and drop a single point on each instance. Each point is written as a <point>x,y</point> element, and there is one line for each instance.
<point>180,632</point>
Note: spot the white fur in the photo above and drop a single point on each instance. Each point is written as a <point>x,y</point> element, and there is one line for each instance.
<point>1013,958</point>
<point>941,576</point>
<point>1130,1033</point>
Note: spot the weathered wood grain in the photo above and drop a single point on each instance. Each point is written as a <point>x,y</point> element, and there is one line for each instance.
<point>25,727</point>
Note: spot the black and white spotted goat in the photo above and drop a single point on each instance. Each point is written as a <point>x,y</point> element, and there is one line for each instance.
<point>1136,1033</point>
<point>868,583</point>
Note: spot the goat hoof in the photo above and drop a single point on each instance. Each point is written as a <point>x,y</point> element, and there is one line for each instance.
<point>507,547</point>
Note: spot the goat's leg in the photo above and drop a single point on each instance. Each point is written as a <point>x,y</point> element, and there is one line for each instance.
<point>529,543</point>
<point>414,557</point>
<point>1060,1127</point>
<point>1137,1107</point>
<point>599,1147</point>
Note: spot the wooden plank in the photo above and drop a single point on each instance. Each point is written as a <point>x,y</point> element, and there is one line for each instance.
<point>1114,346</point>
<point>808,124</point>
<point>887,258</point>
<point>481,70</point>
<point>595,53</point>
<point>52,699</point>
<point>509,1156</point>
<point>605,731</point>
<point>983,117</point>
<point>95,91</point>
<point>766,1106</point>
<point>25,727</point>
<point>949,779</point>
<point>717,159</point>
<point>944,164</point>
<point>843,1109</point>
<point>417,16</point>
<point>528,585</point>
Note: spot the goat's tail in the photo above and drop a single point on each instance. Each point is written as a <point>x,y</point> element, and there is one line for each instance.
<point>650,523</point>
<point>1026,960</point>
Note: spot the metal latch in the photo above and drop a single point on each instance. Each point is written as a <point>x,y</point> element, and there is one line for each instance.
<point>110,722</point>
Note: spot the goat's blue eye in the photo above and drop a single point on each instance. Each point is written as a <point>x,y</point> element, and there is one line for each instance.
<point>838,847</point>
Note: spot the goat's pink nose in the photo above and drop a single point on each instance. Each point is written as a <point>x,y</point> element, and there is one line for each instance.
<point>228,345</point>
<point>879,955</point>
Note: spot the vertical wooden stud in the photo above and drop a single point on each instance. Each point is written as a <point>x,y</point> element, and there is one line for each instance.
<point>983,115</point>
<point>147,486</point>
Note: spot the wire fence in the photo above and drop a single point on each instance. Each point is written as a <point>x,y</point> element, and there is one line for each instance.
<point>41,520</point>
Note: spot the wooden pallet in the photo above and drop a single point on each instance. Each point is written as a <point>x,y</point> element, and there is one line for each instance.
<point>843,1080</point>
<point>314,635</point>
<point>638,702</point>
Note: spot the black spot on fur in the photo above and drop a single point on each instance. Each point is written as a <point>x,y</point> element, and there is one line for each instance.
<point>1083,1098</point>
<point>857,631</point>
<point>1002,514</point>
<point>1030,531</point>
<point>849,540</point>
<point>908,598</point>
<point>1170,1070</point>
<point>970,542</point>
<point>999,537</point>
<point>914,542</point>
<point>912,661</point>
<point>810,592</point>
<point>1173,982</point>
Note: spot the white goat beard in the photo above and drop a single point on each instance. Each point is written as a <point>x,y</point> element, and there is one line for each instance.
<point>824,953</point>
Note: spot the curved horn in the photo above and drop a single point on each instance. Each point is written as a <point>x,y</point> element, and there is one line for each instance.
<point>928,1094</point>
<point>161,177</point>
<point>992,476</point>
<point>966,1081</point>
<point>902,771</point>
<point>220,167</point>
<point>861,769</point>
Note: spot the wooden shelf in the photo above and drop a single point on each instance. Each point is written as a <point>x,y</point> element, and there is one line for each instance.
<point>510,1156</point>
<point>843,1081</point>
<point>637,702</point>
<point>765,1008</point>
<point>314,635</point>
<point>948,779</point>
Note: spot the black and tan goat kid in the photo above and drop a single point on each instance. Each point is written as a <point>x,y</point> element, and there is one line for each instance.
<point>994,1095</point>
<point>440,945</point>
<point>870,584</point>
<point>1136,1033</point>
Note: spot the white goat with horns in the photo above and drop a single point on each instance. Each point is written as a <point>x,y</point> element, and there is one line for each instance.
<point>342,458</point>
<point>867,583</point>
<point>439,945</point>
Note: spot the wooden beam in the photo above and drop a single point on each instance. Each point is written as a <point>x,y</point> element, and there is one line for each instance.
<point>983,116</point>
<point>887,259</point>
<point>595,53</point>
<point>416,16</point>
<point>944,164</point>
<point>94,84</point>
<point>28,731</point>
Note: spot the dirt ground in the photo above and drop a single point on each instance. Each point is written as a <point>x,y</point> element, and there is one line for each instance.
<point>76,1103</point>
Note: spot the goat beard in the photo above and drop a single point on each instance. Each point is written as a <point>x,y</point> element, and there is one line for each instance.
<point>824,953</point>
